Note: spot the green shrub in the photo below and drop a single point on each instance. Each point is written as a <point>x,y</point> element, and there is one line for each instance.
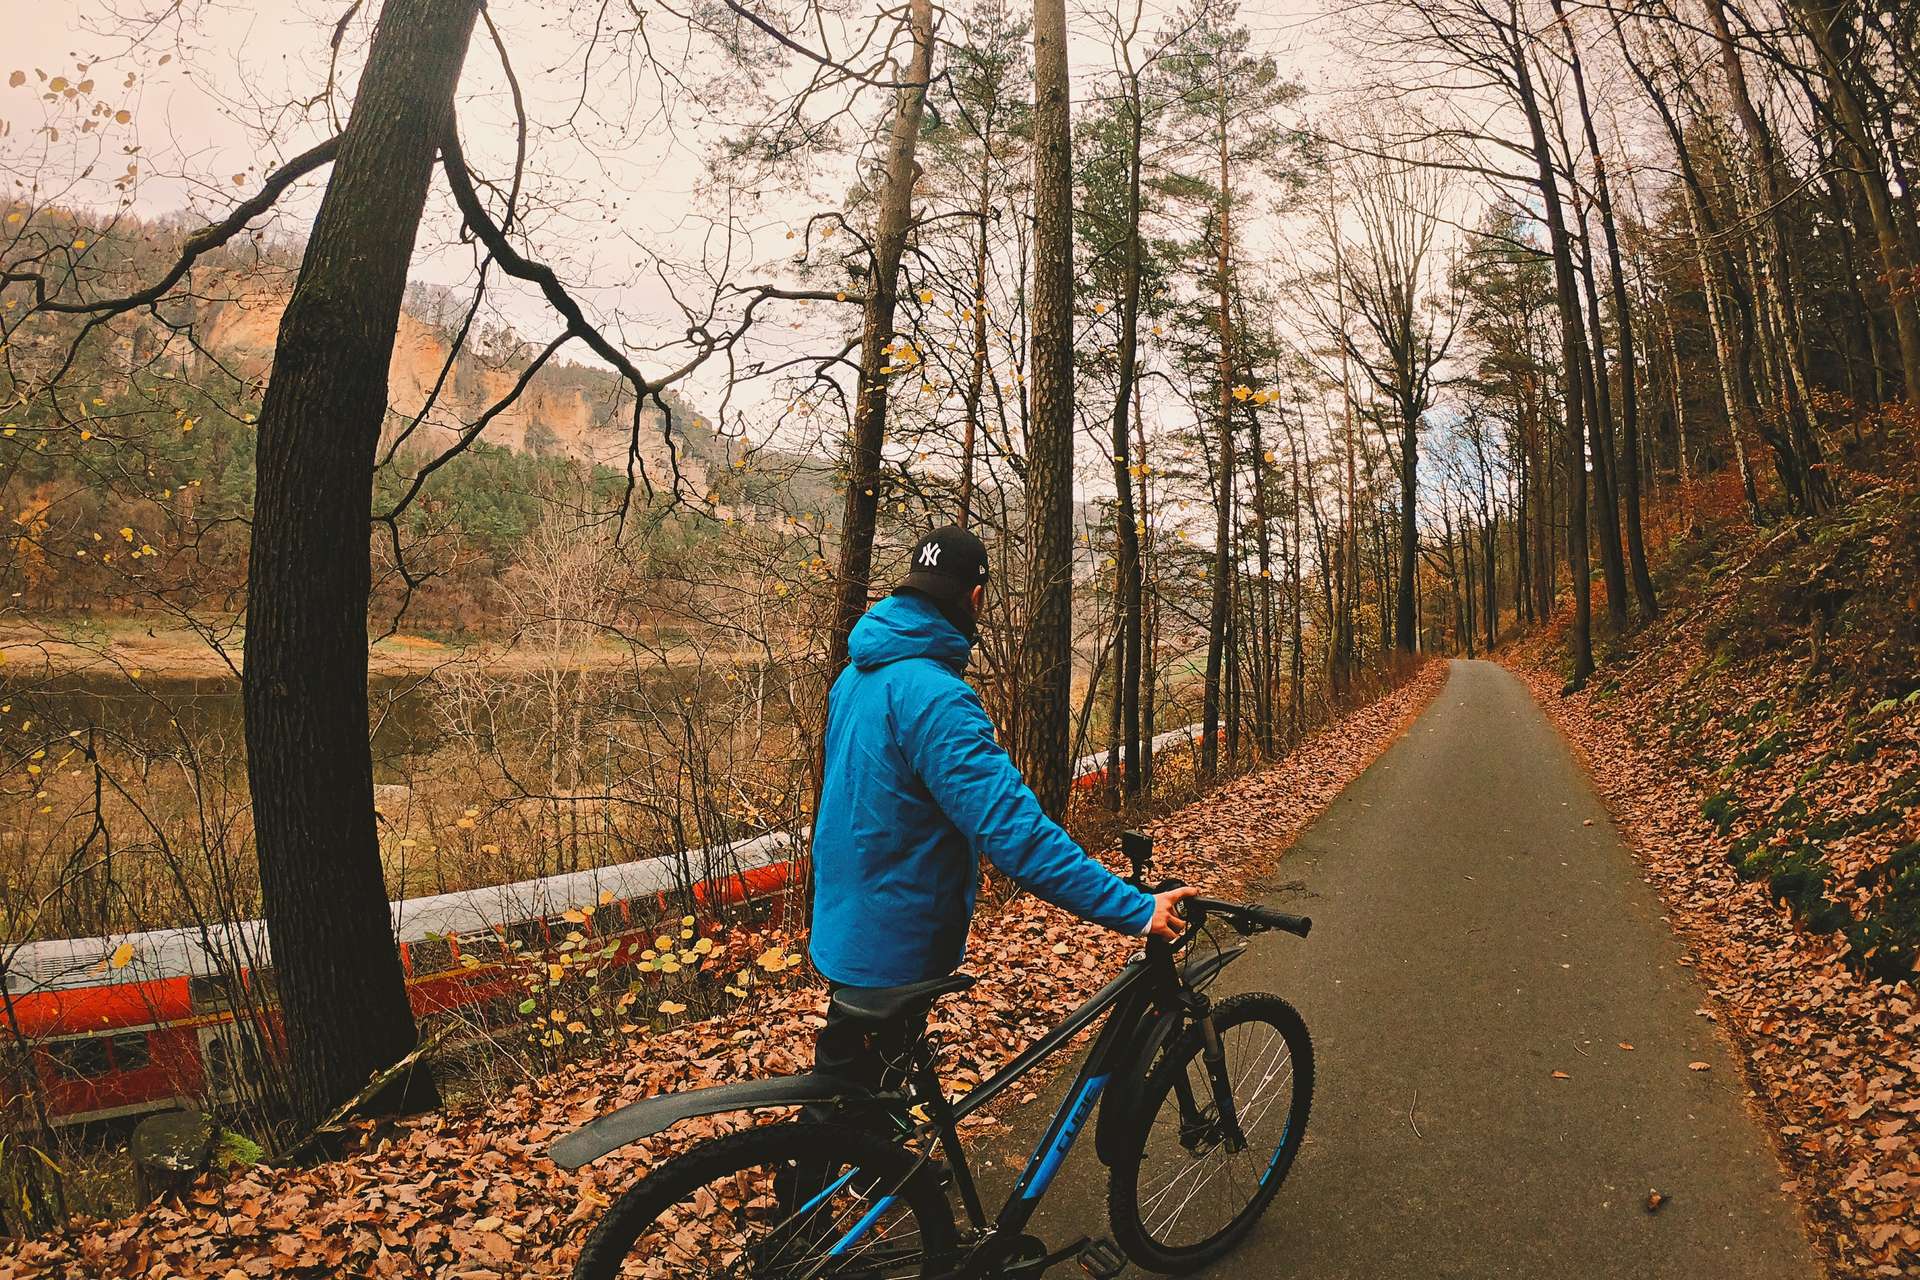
<point>1721,809</point>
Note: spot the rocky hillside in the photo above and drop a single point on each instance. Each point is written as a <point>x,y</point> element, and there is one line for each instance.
<point>569,410</point>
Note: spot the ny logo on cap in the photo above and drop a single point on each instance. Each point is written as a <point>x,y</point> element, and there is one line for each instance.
<point>930,554</point>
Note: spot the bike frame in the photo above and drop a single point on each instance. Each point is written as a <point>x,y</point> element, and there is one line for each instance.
<point>1149,986</point>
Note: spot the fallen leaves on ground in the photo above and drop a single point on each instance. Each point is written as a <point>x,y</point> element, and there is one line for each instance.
<point>471,1193</point>
<point>1833,1056</point>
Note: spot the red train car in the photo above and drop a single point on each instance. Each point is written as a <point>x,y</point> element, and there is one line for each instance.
<point>150,1021</point>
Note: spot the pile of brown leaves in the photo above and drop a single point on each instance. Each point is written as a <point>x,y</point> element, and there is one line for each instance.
<point>1833,1057</point>
<point>472,1195</point>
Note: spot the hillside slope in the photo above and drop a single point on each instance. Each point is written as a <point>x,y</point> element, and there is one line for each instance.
<point>1760,743</point>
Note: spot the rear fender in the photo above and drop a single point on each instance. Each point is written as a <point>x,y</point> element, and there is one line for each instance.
<point>1122,1097</point>
<point>649,1116</point>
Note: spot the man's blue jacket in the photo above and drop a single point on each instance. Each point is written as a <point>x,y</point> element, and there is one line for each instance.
<point>916,791</point>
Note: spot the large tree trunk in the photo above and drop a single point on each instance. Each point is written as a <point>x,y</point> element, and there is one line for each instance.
<point>310,764</point>
<point>1046,659</point>
<point>892,223</point>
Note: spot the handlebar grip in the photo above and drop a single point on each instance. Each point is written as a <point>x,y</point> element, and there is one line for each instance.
<point>1299,926</point>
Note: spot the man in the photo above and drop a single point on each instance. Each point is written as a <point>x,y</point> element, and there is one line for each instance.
<point>915,792</point>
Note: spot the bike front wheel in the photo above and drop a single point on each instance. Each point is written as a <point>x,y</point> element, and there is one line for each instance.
<point>1183,1191</point>
<point>779,1202</point>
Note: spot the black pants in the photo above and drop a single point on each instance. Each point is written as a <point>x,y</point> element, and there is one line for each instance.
<point>873,1055</point>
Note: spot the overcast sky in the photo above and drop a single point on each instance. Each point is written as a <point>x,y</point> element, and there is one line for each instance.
<point>618,165</point>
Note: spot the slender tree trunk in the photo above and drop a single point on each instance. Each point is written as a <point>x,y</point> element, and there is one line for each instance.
<point>1149,613</point>
<point>1126,515</point>
<point>1573,341</point>
<point>1344,636</point>
<point>1593,376</point>
<point>1724,362</point>
<point>310,765</point>
<point>1779,278</point>
<point>893,221</point>
<point>1220,616</point>
<point>1046,659</point>
<point>1825,24</point>
<point>1405,612</point>
<point>1629,395</point>
<point>977,365</point>
<point>1263,670</point>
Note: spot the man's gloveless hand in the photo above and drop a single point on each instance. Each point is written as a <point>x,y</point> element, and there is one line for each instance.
<point>1167,922</point>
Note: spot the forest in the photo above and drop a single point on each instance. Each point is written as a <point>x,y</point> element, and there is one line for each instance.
<point>451,444</point>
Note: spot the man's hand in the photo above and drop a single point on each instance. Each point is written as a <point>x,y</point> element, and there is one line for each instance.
<point>1167,923</point>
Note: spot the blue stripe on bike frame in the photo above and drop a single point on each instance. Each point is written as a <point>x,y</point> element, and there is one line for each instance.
<point>1047,1161</point>
<point>815,1203</point>
<point>847,1241</point>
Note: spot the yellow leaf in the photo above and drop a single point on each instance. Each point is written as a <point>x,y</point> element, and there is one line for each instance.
<point>576,915</point>
<point>555,972</point>
<point>772,958</point>
<point>606,896</point>
<point>122,956</point>
<point>672,1006</point>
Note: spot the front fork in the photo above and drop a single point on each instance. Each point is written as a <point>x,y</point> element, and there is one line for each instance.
<point>1195,1126</point>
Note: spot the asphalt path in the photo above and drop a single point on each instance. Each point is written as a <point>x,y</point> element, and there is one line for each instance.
<point>1478,927</point>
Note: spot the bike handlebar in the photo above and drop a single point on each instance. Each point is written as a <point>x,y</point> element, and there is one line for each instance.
<point>1247,917</point>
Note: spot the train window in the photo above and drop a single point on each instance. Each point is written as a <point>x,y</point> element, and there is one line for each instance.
<point>130,1051</point>
<point>218,1064</point>
<point>431,954</point>
<point>209,991</point>
<point>84,1057</point>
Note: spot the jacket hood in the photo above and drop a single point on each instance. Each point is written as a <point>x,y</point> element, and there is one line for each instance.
<point>906,626</point>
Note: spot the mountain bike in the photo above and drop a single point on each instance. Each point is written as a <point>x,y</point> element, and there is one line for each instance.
<point>1202,1108</point>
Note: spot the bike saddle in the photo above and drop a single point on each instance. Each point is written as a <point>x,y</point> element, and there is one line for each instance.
<point>884,1004</point>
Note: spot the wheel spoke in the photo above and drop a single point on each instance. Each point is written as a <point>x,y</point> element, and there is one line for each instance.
<point>1185,1197</point>
<point>787,1211</point>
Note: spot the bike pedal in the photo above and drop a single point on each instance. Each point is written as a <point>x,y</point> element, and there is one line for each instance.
<point>1102,1259</point>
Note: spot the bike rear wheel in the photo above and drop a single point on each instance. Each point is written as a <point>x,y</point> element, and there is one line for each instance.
<point>796,1201</point>
<point>1179,1196</point>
